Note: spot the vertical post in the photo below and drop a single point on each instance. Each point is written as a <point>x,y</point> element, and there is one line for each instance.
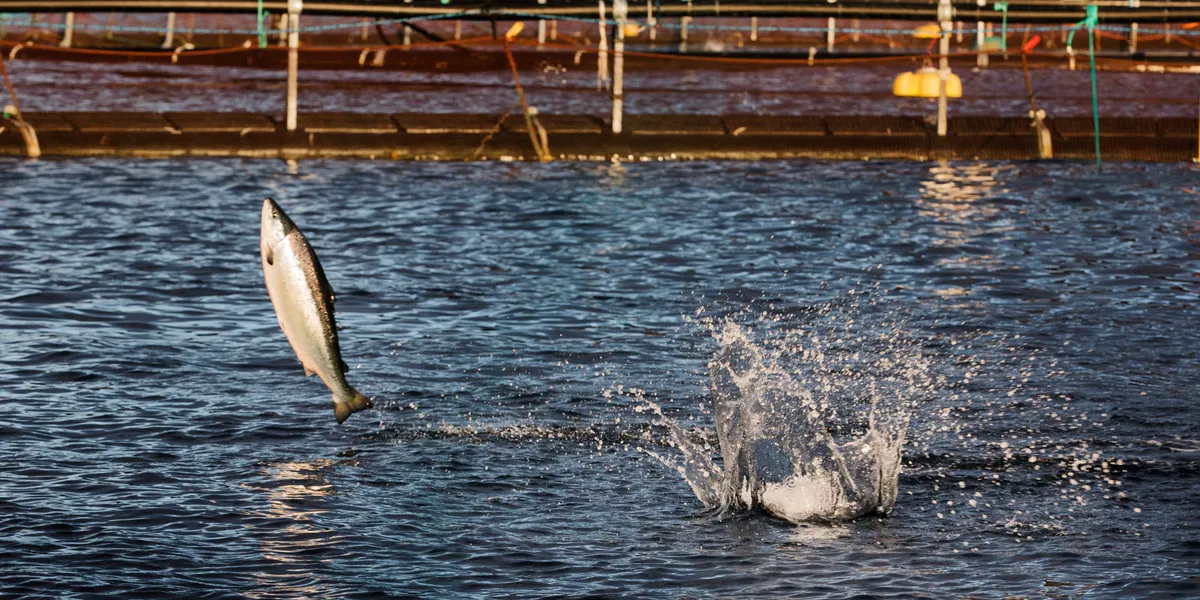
<point>829,36</point>
<point>754,29</point>
<point>684,21</point>
<point>651,22</point>
<point>68,30</point>
<point>620,12</point>
<point>283,29</point>
<point>944,13</point>
<point>959,28</point>
<point>981,59</point>
<point>602,55</point>
<point>407,35</point>
<point>943,76</point>
<point>857,25</point>
<point>365,34</point>
<point>554,30</point>
<point>541,29</point>
<point>1133,31</point>
<point>458,30</point>
<point>170,38</point>
<point>293,40</point>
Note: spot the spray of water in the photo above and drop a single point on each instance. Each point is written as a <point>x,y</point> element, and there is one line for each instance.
<point>810,420</point>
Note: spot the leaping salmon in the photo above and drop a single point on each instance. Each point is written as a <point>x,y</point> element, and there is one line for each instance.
<point>303,302</point>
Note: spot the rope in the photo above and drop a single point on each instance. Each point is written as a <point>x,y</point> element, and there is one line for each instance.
<point>543,155</point>
<point>8,84</point>
<point>1090,22</point>
<point>1003,6</point>
<point>32,148</point>
<point>262,33</point>
<point>1109,63</point>
<point>749,60</point>
<point>1025,48</point>
<point>260,30</point>
<point>495,129</point>
<point>1091,19</point>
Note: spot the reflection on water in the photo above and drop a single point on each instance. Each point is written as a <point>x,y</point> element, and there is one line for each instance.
<point>811,532</point>
<point>294,543</point>
<point>958,199</point>
<point>954,194</point>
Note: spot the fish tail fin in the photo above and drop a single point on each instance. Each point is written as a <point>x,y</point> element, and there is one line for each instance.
<point>348,404</point>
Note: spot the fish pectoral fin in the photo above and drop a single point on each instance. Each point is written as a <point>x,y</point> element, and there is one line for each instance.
<point>270,256</point>
<point>345,367</point>
<point>307,371</point>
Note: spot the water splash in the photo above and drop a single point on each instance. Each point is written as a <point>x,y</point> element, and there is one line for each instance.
<point>810,423</point>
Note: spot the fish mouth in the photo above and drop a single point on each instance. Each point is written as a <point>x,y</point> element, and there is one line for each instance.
<point>273,213</point>
<point>272,229</point>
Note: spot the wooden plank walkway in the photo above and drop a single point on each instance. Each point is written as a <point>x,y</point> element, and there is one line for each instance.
<point>585,137</point>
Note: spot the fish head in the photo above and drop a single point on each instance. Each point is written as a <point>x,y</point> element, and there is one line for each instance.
<point>275,226</point>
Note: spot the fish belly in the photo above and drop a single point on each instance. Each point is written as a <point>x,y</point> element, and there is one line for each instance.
<point>299,316</point>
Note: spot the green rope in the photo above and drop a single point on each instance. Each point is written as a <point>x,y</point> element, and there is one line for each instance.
<point>1092,57</point>
<point>262,33</point>
<point>1091,21</point>
<point>1003,6</point>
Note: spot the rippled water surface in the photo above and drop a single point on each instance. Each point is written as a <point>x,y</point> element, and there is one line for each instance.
<point>159,437</point>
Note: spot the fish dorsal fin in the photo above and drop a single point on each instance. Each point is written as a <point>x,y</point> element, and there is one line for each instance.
<point>345,367</point>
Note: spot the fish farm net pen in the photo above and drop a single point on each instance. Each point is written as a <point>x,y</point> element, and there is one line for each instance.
<point>455,40</point>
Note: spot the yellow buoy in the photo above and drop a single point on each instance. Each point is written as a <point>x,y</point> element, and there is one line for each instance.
<point>632,29</point>
<point>932,31</point>
<point>514,30</point>
<point>905,85</point>
<point>925,83</point>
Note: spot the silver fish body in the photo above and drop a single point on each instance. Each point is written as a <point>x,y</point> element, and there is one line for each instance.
<point>303,302</point>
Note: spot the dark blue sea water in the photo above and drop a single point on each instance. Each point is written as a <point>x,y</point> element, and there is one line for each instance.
<point>159,439</point>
